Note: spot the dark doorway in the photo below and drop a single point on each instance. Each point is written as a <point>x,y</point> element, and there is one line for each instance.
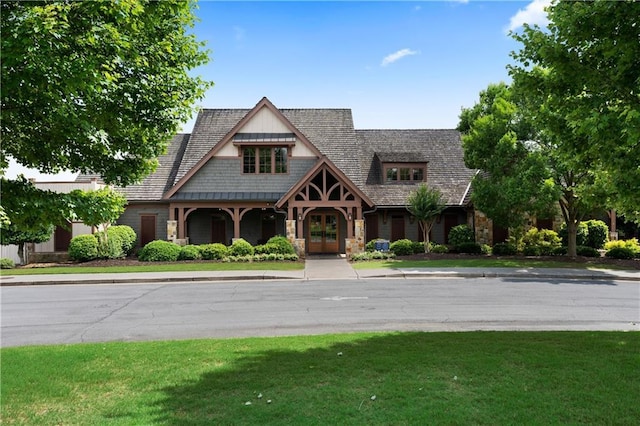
<point>147,229</point>
<point>268,226</point>
<point>62,238</point>
<point>450,221</point>
<point>500,234</point>
<point>372,227</point>
<point>397,228</point>
<point>218,230</point>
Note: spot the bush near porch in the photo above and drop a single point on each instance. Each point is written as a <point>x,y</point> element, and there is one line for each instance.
<point>278,248</point>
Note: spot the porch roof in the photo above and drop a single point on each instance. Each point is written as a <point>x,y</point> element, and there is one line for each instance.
<point>227,196</point>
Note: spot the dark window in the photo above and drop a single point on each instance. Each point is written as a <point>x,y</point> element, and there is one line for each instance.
<point>264,160</point>
<point>417,174</point>
<point>394,173</point>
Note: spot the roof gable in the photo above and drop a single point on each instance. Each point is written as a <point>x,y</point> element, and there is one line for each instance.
<point>264,116</point>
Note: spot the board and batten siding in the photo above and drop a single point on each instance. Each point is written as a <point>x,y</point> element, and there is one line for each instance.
<point>131,217</point>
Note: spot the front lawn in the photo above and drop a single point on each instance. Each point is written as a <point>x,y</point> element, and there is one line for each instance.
<point>494,262</point>
<point>158,267</point>
<point>398,378</point>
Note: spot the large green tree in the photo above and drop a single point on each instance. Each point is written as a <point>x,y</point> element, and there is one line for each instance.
<point>425,204</point>
<point>96,86</point>
<point>518,147</point>
<point>585,70</point>
<point>514,180</point>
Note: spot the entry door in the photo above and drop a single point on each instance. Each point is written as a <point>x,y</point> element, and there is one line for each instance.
<point>147,229</point>
<point>323,233</point>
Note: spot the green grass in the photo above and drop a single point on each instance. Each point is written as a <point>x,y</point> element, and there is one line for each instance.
<point>485,262</point>
<point>416,378</point>
<point>152,267</point>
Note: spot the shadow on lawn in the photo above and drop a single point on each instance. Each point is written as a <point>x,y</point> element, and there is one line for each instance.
<point>410,378</point>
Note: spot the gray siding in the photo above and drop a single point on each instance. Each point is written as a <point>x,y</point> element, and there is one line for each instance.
<point>225,174</point>
<point>131,217</point>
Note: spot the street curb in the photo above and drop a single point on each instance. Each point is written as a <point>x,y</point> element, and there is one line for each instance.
<point>406,275</point>
<point>148,280</point>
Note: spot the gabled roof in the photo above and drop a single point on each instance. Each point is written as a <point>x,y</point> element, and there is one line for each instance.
<point>208,138</point>
<point>324,162</point>
<point>403,157</point>
<point>446,170</point>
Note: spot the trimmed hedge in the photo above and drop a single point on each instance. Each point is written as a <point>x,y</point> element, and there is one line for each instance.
<point>241,247</point>
<point>597,233</point>
<point>621,253</point>
<point>83,248</point>
<point>541,242</point>
<point>159,251</point>
<point>189,252</point>
<point>281,245</point>
<point>587,251</point>
<point>469,248</point>
<point>439,248</point>
<point>402,247</point>
<point>127,237</point>
<point>215,251</point>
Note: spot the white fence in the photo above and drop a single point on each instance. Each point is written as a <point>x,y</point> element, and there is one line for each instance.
<point>11,252</point>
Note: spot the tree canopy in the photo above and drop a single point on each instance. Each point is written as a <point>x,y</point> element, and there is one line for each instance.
<point>583,72</point>
<point>94,86</point>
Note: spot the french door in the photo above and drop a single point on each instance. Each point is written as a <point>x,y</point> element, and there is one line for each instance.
<point>323,233</point>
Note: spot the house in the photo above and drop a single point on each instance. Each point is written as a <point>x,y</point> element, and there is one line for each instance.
<point>55,249</point>
<point>304,173</point>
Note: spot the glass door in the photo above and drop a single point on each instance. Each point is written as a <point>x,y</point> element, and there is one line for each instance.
<point>323,233</point>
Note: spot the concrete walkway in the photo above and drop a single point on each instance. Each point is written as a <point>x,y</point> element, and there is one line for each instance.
<point>321,268</point>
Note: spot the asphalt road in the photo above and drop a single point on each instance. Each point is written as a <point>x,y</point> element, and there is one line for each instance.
<point>130,312</point>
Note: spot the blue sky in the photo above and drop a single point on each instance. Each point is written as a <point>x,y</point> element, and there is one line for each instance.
<point>401,64</point>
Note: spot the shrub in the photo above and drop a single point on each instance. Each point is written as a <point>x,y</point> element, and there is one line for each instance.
<point>439,248</point>
<point>189,252</point>
<point>504,249</point>
<point>461,234</point>
<point>540,242</point>
<point>581,234</point>
<point>402,247</point>
<point>372,255</point>
<point>215,251</point>
<point>587,251</point>
<point>159,251</point>
<point>486,249</point>
<point>597,233</point>
<point>561,251</point>
<point>469,247</point>
<point>109,245</point>
<point>621,253</point>
<point>631,244</point>
<point>6,263</point>
<point>418,247</point>
<point>281,244</point>
<point>241,247</point>
<point>127,236</point>
<point>83,248</point>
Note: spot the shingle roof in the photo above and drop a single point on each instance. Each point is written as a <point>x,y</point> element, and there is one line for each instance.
<point>441,148</point>
<point>156,184</point>
<point>227,196</point>
<point>403,157</point>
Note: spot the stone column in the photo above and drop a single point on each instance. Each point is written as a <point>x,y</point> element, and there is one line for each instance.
<point>172,230</point>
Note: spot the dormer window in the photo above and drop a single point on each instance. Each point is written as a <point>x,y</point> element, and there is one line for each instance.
<point>264,153</point>
<point>404,173</point>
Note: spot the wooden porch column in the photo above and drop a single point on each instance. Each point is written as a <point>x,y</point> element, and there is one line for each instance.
<point>299,223</point>
<point>181,224</point>
<point>236,222</point>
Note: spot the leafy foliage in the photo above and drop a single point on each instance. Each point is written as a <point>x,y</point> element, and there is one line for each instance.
<point>402,247</point>
<point>621,253</point>
<point>281,245</point>
<point>83,248</point>
<point>109,245</point>
<point>241,247</point>
<point>127,236</point>
<point>505,249</point>
<point>597,233</point>
<point>426,204</point>
<point>461,234</point>
<point>190,252</point>
<point>469,247</point>
<point>587,251</point>
<point>582,232</point>
<point>541,242</point>
<point>101,86</point>
<point>94,208</point>
<point>583,70</point>
<point>6,263</point>
<point>159,251</point>
<point>215,251</point>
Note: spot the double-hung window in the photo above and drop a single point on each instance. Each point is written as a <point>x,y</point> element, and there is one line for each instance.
<point>264,160</point>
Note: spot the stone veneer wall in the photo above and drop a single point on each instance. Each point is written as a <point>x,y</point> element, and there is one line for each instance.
<point>356,244</point>
<point>483,228</point>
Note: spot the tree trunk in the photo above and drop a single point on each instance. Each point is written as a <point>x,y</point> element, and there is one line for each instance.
<point>21,253</point>
<point>572,233</point>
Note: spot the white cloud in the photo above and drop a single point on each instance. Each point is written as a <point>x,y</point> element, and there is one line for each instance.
<point>389,59</point>
<point>532,14</point>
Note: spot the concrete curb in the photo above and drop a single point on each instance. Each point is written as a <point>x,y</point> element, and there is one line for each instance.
<point>403,274</point>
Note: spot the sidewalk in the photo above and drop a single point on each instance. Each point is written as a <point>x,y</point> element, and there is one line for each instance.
<point>321,268</point>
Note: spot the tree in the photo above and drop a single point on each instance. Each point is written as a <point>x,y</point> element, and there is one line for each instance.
<point>92,87</point>
<point>425,204</point>
<point>96,87</point>
<point>586,69</point>
<point>513,181</point>
<point>99,207</point>
<point>14,235</point>
<point>517,143</point>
